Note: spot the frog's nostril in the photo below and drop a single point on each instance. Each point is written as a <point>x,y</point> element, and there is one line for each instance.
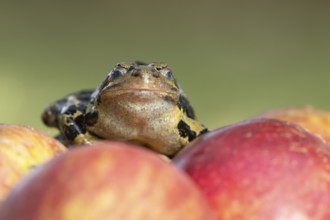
<point>137,73</point>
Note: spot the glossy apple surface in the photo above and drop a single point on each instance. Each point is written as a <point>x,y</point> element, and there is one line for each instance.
<point>314,120</point>
<point>109,180</point>
<point>22,148</point>
<point>261,169</point>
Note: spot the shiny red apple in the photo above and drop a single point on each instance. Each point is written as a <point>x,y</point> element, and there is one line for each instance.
<point>22,148</point>
<point>261,169</point>
<point>106,181</point>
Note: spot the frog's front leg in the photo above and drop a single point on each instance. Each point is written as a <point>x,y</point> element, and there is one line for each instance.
<point>72,125</point>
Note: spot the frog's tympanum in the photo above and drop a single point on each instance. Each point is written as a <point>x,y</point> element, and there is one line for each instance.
<point>136,102</point>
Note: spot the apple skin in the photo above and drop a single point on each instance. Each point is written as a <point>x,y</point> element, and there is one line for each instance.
<point>261,169</point>
<point>315,120</point>
<point>22,148</point>
<point>109,180</point>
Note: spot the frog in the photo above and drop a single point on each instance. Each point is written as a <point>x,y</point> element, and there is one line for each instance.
<point>137,102</point>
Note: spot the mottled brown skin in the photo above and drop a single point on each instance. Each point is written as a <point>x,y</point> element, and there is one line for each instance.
<point>137,102</point>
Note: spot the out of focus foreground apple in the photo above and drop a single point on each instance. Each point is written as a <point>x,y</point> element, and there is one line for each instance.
<point>22,148</point>
<point>312,119</point>
<point>261,169</point>
<point>109,180</point>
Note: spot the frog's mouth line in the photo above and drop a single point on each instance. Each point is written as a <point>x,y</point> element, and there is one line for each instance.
<point>143,90</point>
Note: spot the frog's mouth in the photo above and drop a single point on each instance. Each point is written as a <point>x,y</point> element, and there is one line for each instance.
<point>139,95</point>
<point>119,91</point>
<point>136,86</point>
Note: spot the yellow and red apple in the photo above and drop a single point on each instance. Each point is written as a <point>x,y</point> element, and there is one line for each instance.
<point>22,148</point>
<point>109,180</point>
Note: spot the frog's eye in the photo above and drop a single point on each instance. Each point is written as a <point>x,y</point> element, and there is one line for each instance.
<point>115,74</point>
<point>169,75</point>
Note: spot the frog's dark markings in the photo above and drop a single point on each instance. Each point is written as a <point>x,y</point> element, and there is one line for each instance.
<point>91,118</point>
<point>84,95</point>
<point>136,102</point>
<point>185,131</point>
<point>74,102</point>
<point>80,121</point>
<point>204,131</point>
<point>72,109</point>
<point>185,105</point>
<point>71,131</point>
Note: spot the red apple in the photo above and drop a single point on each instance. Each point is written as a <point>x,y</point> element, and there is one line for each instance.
<point>109,180</point>
<point>22,148</point>
<point>314,120</point>
<point>261,169</point>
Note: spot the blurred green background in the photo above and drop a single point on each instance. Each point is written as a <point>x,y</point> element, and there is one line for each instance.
<point>234,59</point>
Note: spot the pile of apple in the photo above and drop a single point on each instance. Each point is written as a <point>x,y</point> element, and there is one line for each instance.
<point>275,167</point>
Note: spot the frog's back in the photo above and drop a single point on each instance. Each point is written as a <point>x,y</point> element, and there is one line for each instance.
<point>53,111</point>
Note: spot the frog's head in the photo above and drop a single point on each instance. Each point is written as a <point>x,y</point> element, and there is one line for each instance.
<point>139,79</point>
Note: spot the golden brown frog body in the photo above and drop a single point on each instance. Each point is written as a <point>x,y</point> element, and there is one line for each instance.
<point>136,102</point>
